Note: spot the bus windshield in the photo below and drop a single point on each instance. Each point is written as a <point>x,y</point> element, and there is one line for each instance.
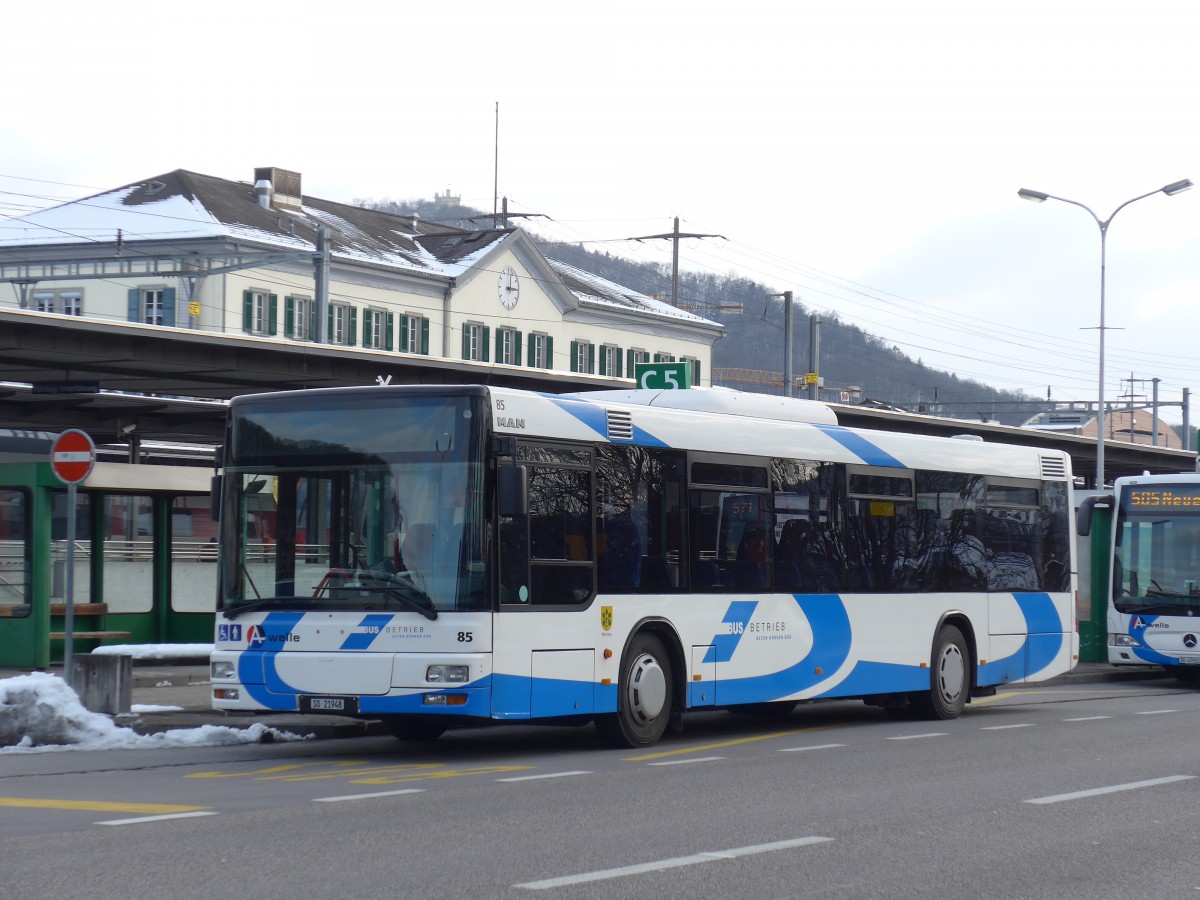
<point>354,503</point>
<point>1156,558</point>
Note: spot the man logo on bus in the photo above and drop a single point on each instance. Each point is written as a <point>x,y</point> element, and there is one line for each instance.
<point>255,635</point>
<point>606,618</point>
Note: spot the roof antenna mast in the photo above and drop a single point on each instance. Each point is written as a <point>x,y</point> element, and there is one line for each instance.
<point>496,167</point>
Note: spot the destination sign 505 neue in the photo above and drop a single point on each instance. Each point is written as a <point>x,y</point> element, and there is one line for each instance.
<point>1163,498</point>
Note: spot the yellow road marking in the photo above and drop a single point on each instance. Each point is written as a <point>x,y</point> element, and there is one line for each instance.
<point>447,773</point>
<point>254,773</point>
<point>1045,691</point>
<point>358,772</point>
<point>733,743</point>
<point>97,805</point>
<point>362,769</point>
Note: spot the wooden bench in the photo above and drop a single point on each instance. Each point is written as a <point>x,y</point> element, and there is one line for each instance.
<point>81,609</point>
<point>88,610</point>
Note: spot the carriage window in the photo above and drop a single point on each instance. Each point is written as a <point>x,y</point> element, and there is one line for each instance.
<point>14,553</point>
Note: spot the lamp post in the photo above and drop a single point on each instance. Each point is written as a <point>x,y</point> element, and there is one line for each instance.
<point>1176,187</point>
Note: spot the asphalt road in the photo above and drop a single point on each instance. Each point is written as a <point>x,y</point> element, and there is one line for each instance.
<point>1067,791</point>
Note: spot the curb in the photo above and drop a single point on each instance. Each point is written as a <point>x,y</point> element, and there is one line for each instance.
<point>314,727</point>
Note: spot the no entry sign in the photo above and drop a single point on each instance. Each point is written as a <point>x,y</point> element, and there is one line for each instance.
<point>72,456</point>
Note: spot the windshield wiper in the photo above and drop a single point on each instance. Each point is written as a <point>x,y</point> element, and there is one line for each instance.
<point>401,587</point>
<point>1161,609</point>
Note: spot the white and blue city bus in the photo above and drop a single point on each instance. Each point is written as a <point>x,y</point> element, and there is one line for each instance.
<point>1152,592</point>
<point>438,557</point>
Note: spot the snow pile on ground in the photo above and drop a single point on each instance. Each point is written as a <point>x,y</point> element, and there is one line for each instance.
<point>40,712</point>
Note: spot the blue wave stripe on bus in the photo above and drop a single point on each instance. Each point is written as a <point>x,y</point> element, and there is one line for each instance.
<point>1041,647</point>
<point>268,689</point>
<point>832,634</point>
<point>372,626</point>
<point>595,418</point>
<point>1137,630</point>
<point>860,446</point>
<point>880,678</point>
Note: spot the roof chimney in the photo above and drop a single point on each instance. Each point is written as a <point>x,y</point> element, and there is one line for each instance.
<point>263,191</point>
<point>286,184</point>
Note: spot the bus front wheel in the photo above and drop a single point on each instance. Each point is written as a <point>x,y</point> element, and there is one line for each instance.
<point>644,696</point>
<point>949,677</point>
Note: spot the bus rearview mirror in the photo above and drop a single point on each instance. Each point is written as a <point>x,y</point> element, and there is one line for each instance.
<point>511,491</point>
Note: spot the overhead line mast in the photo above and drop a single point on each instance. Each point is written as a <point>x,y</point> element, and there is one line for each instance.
<point>674,236</point>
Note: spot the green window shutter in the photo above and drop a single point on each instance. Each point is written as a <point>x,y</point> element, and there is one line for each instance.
<point>272,313</point>
<point>499,345</point>
<point>696,372</point>
<point>312,321</point>
<point>169,306</point>
<point>549,352</point>
<point>529,360</point>
<point>517,348</point>
<point>390,326</point>
<point>591,358</point>
<point>329,324</point>
<point>487,336</point>
<point>603,362</point>
<point>620,354</point>
<point>574,356</point>
<point>247,311</point>
<point>629,364</point>
<point>404,320</point>
<point>352,330</point>
<point>466,341</point>
<point>425,336</point>
<point>368,316</point>
<point>135,301</point>
<point>289,317</point>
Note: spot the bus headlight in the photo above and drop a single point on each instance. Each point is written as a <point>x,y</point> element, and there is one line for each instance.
<point>448,674</point>
<point>1123,640</point>
<point>221,669</point>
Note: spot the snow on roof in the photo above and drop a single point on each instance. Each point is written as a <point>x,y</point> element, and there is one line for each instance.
<point>96,220</point>
<point>594,290</point>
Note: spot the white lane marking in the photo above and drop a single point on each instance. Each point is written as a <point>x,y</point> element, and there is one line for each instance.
<point>140,819</point>
<point>548,775</point>
<point>1156,712</point>
<point>684,762</point>
<point>1111,789</point>
<point>368,796</point>
<point>1088,719</point>
<point>917,737</point>
<point>660,865</point>
<point>1005,727</point>
<point>813,747</point>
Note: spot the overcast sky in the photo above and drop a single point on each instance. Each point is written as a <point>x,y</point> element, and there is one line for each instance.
<point>866,155</point>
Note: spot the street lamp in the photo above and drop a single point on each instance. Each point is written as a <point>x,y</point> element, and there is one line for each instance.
<point>1176,187</point>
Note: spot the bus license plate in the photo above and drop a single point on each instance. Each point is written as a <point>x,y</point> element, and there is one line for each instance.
<point>343,705</point>
<point>1189,660</point>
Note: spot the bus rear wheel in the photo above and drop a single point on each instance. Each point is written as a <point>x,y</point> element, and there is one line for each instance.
<point>949,677</point>
<point>645,694</point>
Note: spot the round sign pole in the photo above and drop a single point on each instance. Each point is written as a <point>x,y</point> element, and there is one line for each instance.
<point>72,456</point>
